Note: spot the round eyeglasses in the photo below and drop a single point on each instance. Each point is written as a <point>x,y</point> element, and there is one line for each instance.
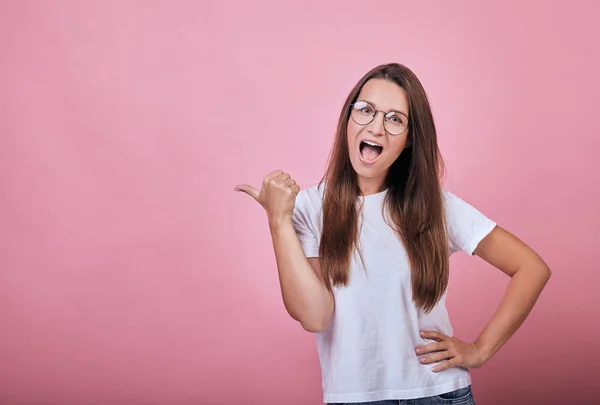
<point>394,122</point>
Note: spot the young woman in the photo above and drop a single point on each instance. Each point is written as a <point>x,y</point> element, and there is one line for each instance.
<point>363,256</point>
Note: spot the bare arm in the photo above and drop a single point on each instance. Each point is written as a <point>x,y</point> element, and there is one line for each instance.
<point>529,274</point>
<point>305,295</point>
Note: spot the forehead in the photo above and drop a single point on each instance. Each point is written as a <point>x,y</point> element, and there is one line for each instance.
<point>384,95</point>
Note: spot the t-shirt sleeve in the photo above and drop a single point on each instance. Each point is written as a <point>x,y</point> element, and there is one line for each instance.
<point>467,226</point>
<point>303,220</point>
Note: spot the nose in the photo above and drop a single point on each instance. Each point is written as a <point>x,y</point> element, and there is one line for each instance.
<point>376,126</point>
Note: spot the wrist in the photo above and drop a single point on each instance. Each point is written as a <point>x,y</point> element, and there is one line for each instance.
<point>277,223</point>
<point>484,351</point>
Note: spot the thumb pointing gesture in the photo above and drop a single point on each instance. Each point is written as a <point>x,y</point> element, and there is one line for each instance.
<point>251,191</point>
<point>277,195</point>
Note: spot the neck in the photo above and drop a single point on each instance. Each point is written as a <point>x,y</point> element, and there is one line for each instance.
<point>370,186</point>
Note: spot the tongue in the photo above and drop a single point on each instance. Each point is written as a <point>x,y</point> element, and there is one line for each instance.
<point>370,152</point>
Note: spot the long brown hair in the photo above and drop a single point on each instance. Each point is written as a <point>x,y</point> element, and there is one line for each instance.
<point>414,202</point>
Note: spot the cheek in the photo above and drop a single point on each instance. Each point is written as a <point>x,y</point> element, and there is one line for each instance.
<point>352,130</point>
<point>396,147</point>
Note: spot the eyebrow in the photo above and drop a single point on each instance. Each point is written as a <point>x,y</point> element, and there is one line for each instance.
<point>373,104</point>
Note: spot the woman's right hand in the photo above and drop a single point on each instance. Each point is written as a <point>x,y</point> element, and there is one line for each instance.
<point>277,196</point>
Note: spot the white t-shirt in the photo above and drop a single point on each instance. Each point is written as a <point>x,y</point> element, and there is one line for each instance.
<point>367,351</point>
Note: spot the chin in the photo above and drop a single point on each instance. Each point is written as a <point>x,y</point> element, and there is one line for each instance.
<point>368,172</point>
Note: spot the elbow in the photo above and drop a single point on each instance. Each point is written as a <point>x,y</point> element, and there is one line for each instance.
<point>538,269</point>
<point>314,325</point>
<point>314,317</point>
<point>542,273</point>
<point>543,270</point>
<point>547,273</point>
<point>315,322</point>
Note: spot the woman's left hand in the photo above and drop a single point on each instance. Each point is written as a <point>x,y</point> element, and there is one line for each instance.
<point>455,352</point>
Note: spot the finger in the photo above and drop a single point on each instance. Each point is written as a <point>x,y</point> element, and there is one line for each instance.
<point>271,176</point>
<point>296,189</point>
<point>432,334</point>
<point>431,347</point>
<point>289,182</point>
<point>283,177</point>
<point>436,357</point>
<point>251,191</point>
<point>445,365</point>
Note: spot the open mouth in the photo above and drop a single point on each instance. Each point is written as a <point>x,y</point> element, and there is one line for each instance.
<point>370,151</point>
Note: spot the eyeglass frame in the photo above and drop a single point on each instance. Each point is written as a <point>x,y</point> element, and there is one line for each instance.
<point>375,111</point>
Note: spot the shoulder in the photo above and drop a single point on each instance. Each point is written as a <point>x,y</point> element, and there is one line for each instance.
<point>454,204</point>
<point>307,211</point>
<point>309,204</point>
<point>311,197</point>
<point>448,195</point>
<point>467,225</point>
<point>457,207</point>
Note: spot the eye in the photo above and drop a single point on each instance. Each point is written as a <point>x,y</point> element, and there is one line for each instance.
<point>363,107</point>
<point>396,119</point>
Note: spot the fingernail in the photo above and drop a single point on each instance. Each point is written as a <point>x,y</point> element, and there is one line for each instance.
<point>422,333</point>
<point>422,359</point>
<point>417,350</point>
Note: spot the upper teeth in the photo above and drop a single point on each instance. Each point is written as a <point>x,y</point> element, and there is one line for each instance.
<point>372,143</point>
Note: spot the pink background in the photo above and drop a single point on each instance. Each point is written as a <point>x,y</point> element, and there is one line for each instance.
<point>130,271</point>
